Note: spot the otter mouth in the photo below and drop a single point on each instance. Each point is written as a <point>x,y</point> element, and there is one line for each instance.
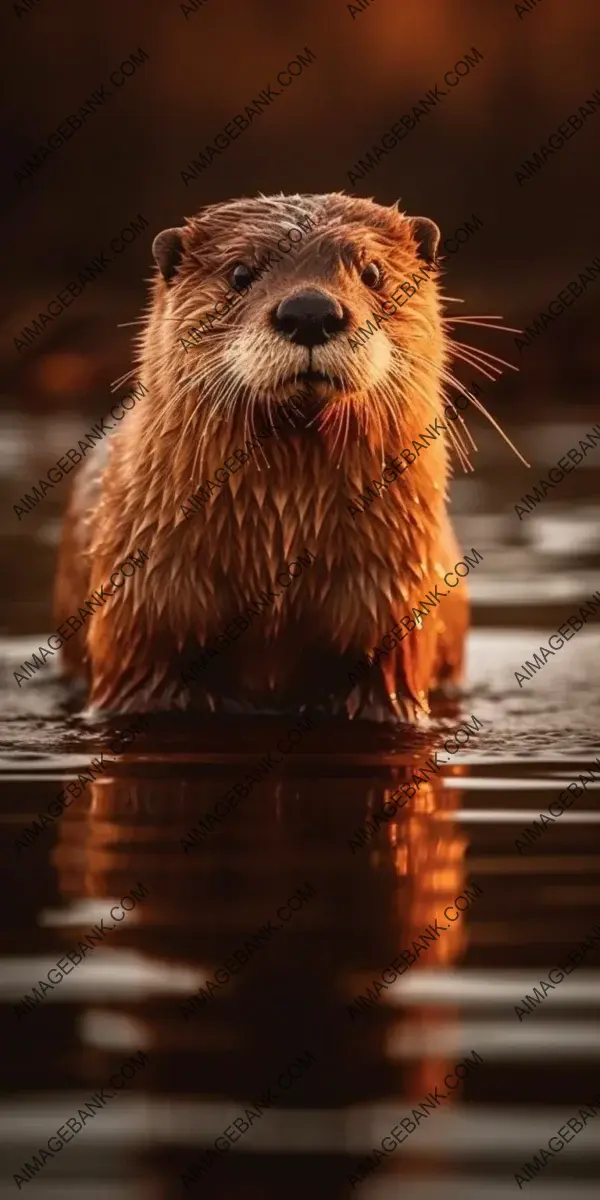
<point>311,391</point>
<point>332,381</point>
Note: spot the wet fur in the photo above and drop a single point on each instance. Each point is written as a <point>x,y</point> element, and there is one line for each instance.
<point>200,406</point>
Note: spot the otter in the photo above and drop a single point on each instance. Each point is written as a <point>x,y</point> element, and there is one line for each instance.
<point>290,328</point>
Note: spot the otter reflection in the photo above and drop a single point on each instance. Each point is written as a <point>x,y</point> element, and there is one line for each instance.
<point>293,994</point>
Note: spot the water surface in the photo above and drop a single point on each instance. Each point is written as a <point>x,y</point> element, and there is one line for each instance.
<point>293,832</point>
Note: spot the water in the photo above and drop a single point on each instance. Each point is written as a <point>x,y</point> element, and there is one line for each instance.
<point>362,908</point>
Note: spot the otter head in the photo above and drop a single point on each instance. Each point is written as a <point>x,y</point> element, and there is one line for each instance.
<point>335,298</point>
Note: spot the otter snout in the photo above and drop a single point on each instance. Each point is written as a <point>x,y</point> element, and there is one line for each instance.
<point>309,317</point>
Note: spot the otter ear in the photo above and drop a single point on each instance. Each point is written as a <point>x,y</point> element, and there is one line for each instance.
<point>167,250</point>
<point>427,237</point>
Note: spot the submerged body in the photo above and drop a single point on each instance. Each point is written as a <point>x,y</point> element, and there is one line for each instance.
<point>352,408</point>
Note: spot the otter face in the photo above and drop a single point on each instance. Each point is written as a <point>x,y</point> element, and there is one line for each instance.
<point>320,315</point>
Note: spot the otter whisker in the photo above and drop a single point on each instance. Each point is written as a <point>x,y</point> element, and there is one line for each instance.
<point>465,317</point>
<point>483,410</point>
<point>290,404</point>
<point>455,436</point>
<point>484,355</point>
<point>162,421</point>
<point>486,369</point>
<point>262,449</point>
<point>387,399</point>
<point>346,426</point>
<point>199,449</point>
<point>465,355</point>
<point>482,321</point>
<point>474,400</point>
<point>346,433</point>
<point>117,382</point>
<point>224,389</point>
<point>334,416</point>
<point>456,441</point>
<point>249,412</point>
<point>376,417</point>
<point>464,455</point>
<point>187,385</point>
<point>225,397</point>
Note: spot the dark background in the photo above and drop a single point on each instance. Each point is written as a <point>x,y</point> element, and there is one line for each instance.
<point>369,70</point>
<point>459,160</point>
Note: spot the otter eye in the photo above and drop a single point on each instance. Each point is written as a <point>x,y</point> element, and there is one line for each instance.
<point>371,275</point>
<point>241,276</point>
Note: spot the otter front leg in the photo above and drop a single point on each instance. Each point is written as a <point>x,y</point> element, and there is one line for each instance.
<point>384,712</point>
<point>398,685</point>
<point>128,679</point>
<point>72,581</point>
<point>135,668</point>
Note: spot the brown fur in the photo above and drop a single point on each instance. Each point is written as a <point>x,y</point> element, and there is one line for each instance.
<point>200,406</point>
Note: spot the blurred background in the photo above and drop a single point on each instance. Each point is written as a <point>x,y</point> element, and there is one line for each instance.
<point>201,69</point>
<point>125,163</point>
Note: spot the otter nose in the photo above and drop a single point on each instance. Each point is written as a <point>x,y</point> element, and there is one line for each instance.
<point>309,317</point>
